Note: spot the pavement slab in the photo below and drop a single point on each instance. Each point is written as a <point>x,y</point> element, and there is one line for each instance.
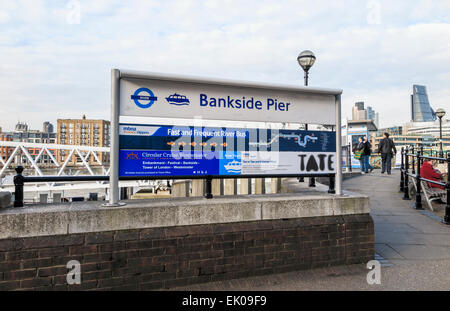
<point>387,251</point>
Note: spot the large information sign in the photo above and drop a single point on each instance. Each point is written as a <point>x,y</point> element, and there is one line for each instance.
<point>158,150</point>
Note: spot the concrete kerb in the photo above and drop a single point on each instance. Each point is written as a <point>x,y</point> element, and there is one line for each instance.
<point>84,217</point>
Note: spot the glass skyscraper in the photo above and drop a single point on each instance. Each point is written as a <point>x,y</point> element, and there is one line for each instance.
<point>421,110</point>
<point>370,113</point>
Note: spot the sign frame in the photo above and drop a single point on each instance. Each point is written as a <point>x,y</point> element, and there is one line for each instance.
<point>117,75</point>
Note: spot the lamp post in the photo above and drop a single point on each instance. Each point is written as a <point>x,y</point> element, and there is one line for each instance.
<point>440,113</point>
<point>306,60</point>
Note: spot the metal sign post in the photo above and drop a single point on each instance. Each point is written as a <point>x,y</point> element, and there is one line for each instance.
<point>338,145</point>
<point>114,153</point>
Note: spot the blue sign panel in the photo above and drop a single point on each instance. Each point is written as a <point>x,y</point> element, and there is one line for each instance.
<point>166,163</point>
<point>158,150</point>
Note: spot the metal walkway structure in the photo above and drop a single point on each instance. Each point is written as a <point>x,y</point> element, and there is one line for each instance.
<point>22,148</point>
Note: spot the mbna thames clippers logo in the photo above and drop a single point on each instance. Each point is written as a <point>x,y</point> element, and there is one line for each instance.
<point>144,98</point>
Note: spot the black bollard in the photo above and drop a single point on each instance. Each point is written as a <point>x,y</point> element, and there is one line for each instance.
<point>406,184</point>
<point>402,167</point>
<point>312,182</point>
<point>418,187</point>
<point>18,183</point>
<point>208,188</point>
<point>446,219</point>
<point>331,186</point>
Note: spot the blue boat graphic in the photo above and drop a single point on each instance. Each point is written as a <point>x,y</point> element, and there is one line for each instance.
<point>177,99</point>
<point>233,166</point>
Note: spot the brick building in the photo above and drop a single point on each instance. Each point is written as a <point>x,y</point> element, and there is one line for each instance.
<point>83,132</point>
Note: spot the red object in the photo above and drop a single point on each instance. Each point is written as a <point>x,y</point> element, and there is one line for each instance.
<point>427,171</point>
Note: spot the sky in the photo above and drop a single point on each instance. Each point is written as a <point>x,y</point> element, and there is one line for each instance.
<point>56,55</point>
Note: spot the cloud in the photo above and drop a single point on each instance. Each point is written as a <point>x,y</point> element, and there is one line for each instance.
<point>4,17</point>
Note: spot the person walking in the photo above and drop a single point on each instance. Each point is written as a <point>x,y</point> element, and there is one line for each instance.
<point>366,155</point>
<point>387,149</point>
<point>358,151</point>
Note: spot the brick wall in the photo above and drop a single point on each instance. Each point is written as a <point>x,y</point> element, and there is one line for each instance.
<point>175,256</point>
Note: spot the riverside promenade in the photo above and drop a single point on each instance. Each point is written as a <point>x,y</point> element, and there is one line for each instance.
<point>412,246</point>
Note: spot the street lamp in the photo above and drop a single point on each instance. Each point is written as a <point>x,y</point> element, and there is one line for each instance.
<point>440,113</point>
<point>306,60</point>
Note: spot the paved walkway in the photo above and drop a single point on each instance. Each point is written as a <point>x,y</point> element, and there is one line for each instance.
<point>414,249</point>
<point>402,234</point>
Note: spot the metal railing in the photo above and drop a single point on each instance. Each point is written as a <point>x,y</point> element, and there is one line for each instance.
<point>434,153</point>
<point>411,162</point>
<point>20,181</point>
<point>20,149</point>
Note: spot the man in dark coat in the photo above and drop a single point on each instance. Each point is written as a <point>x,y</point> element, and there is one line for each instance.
<point>387,149</point>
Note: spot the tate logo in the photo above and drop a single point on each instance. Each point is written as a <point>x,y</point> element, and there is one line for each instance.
<point>316,162</point>
<point>144,98</point>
